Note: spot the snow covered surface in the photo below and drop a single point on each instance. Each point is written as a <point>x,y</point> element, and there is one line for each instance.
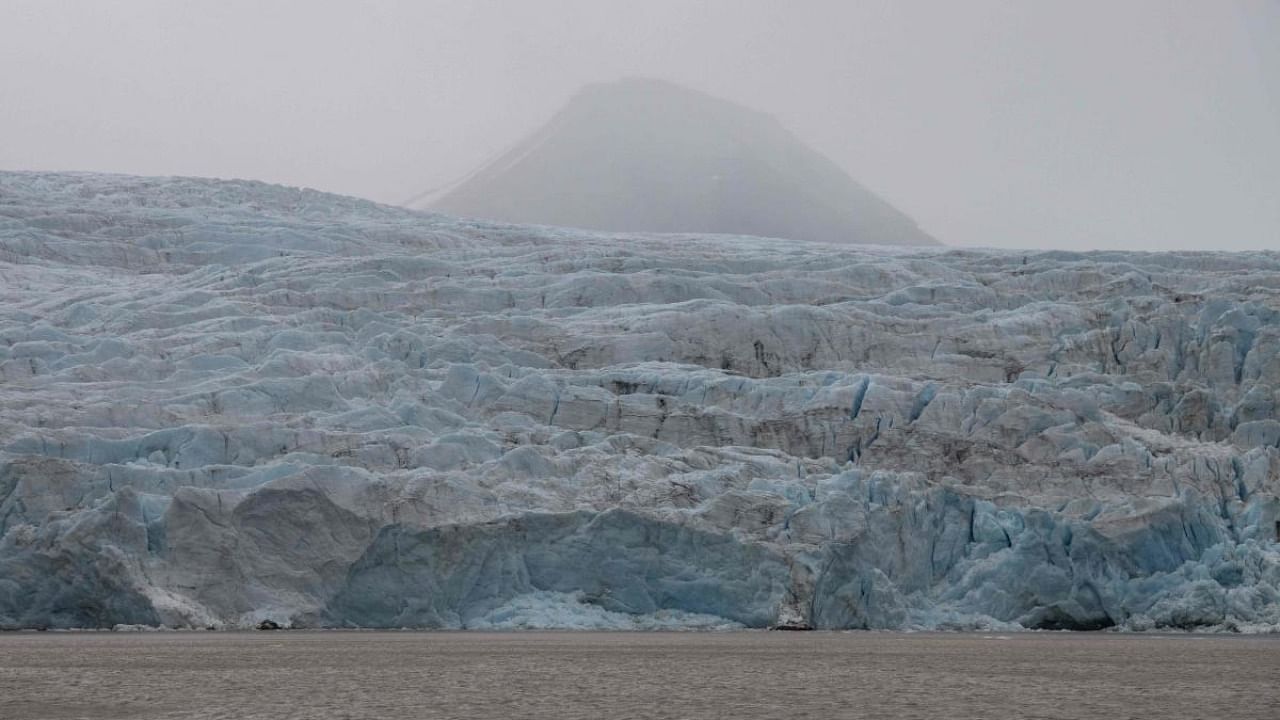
<point>223,402</point>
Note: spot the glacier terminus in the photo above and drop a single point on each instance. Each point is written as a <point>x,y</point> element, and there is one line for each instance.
<point>227,402</point>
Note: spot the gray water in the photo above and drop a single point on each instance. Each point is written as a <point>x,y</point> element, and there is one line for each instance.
<point>281,675</point>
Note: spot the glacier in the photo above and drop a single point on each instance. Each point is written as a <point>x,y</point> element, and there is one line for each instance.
<point>223,402</point>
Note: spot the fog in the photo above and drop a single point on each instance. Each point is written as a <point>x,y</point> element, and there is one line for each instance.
<point>1137,125</point>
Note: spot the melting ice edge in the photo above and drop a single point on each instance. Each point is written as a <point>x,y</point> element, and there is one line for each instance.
<point>223,402</point>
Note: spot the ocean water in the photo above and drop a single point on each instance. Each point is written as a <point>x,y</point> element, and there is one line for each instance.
<point>302,674</point>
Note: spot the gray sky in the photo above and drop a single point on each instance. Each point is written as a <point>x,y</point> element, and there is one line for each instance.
<point>1074,124</point>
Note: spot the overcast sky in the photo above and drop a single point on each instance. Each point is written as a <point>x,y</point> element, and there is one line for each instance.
<point>1117,124</point>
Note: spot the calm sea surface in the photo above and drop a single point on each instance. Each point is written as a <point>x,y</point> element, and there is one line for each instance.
<point>565,676</point>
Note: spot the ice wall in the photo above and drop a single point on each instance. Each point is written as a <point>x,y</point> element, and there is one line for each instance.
<point>222,402</point>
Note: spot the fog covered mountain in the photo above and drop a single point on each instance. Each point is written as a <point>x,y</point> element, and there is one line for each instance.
<point>647,155</point>
<point>224,402</point>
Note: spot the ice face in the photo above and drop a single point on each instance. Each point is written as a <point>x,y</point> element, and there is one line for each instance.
<point>224,402</point>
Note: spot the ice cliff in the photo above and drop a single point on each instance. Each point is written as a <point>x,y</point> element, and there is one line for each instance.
<point>223,402</point>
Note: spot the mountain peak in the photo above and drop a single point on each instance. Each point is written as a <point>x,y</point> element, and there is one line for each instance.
<point>647,155</point>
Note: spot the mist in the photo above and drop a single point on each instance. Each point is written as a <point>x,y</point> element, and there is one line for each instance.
<point>1083,125</point>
